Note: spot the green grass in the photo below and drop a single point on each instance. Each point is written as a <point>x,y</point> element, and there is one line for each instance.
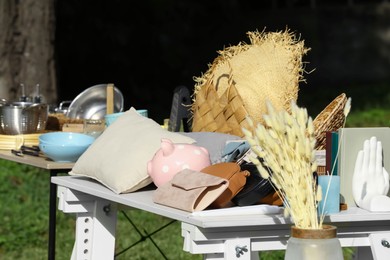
<point>24,197</point>
<point>369,118</point>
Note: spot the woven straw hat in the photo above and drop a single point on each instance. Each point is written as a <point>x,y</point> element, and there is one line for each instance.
<point>268,68</point>
<point>330,119</point>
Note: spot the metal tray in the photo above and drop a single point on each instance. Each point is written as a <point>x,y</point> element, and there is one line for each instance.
<point>91,103</point>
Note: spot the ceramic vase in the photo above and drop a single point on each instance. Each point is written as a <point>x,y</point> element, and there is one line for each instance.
<point>319,244</point>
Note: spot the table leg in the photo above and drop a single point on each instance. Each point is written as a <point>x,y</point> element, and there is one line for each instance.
<point>362,253</point>
<point>380,245</point>
<point>52,216</point>
<point>95,224</point>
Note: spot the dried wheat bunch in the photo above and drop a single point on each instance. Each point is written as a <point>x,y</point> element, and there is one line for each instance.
<point>286,144</point>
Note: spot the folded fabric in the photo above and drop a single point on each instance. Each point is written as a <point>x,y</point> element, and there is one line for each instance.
<point>234,150</point>
<point>230,171</point>
<point>214,142</point>
<point>190,190</point>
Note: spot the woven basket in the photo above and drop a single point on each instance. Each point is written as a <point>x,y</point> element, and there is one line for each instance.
<point>243,77</point>
<point>330,119</point>
<point>225,114</point>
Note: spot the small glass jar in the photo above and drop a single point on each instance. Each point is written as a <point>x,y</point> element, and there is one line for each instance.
<point>318,244</point>
<point>94,127</point>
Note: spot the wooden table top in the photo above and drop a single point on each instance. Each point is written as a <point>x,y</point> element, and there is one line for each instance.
<point>40,162</point>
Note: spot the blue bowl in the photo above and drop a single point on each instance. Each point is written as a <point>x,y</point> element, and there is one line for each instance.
<point>64,146</point>
<point>110,118</point>
<point>66,138</point>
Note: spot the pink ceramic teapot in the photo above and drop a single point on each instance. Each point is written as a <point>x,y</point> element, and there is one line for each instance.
<point>172,158</point>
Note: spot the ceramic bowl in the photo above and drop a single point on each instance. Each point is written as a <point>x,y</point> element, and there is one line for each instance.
<point>64,146</point>
<point>110,118</point>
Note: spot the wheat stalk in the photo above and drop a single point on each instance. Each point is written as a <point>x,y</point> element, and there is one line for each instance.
<point>286,143</point>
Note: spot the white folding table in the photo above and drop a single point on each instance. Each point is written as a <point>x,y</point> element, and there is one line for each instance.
<point>216,237</point>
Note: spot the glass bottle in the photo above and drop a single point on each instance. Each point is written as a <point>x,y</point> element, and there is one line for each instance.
<point>319,244</point>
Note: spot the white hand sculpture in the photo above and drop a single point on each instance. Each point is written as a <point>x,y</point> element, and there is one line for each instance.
<point>370,182</point>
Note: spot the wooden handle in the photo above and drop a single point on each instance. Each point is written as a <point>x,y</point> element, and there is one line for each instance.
<point>110,99</point>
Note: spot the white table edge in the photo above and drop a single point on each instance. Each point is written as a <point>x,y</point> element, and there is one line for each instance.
<point>143,200</point>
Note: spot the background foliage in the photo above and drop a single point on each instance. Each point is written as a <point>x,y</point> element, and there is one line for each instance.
<point>149,47</point>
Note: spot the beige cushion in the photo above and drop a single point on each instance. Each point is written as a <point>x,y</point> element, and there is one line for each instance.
<point>118,158</point>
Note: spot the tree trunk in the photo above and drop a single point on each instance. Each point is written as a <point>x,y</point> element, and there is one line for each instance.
<point>27,30</point>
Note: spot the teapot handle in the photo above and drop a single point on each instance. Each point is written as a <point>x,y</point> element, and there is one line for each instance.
<point>64,104</point>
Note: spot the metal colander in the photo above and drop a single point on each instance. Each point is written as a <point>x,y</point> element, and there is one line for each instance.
<point>22,118</point>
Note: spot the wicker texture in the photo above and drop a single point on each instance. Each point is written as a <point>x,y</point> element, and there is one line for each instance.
<point>330,119</point>
<point>225,114</point>
<point>243,77</point>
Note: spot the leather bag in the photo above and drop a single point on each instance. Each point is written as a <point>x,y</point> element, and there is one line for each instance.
<point>256,190</point>
<point>190,190</point>
<point>232,172</point>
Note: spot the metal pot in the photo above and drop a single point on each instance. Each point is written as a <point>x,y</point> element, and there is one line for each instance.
<point>92,102</point>
<point>23,118</point>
